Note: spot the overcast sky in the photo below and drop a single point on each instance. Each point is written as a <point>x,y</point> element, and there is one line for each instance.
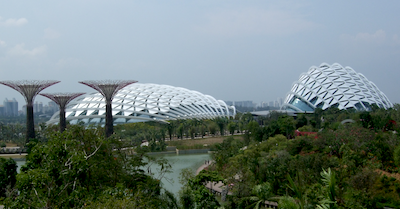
<point>231,50</point>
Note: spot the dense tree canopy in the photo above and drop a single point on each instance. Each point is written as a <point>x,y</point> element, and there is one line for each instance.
<point>80,167</point>
<point>333,165</point>
<point>328,159</point>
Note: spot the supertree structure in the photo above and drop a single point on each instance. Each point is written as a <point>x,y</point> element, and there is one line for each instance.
<point>62,99</point>
<point>29,89</point>
<point>108,88</point>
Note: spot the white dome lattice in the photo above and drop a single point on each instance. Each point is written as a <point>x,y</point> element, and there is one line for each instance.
<point>146,102</point>
<point>334,85</point>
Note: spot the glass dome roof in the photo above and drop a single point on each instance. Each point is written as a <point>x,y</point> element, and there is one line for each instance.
<point>141,102</point>
<point>334,85</point>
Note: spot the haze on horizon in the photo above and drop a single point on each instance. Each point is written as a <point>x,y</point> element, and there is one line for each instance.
<point>231,50</point>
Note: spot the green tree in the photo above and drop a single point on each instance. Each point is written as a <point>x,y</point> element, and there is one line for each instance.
<point>397,156</point>
<point>301,121</point>
<point>202,130</point>
<point>79,166</point>
<point>228,148</point>
<point>194,193</point>
<point>232,127</point>
<point>212,128</point>
<point>221,123</point>
<point>287,202</point>
<point>287,125</point>
<point>8,172</point>
<point>192,132</point>
<point>180,130</point>
<point>329,180</point>
<point>256,131</point>
<point>171,129</point>
<point>262,192</point>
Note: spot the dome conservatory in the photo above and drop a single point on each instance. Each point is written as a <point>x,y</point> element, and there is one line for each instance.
<point>145,102</point>
<point>333,85</point>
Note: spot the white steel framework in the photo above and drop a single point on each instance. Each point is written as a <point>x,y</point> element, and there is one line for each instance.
<point>334,85</point>
<point>146,102</point>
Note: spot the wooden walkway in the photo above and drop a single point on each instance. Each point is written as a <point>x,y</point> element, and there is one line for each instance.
<point>219,187</point>
<point>216,187</point>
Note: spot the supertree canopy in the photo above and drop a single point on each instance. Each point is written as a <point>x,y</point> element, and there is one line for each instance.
<point>29,89</point>
<point>62,99</point>
<point>108,88</point>
<point>141,102</point>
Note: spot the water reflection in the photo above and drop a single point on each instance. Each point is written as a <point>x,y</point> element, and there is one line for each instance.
<point>180,162</point>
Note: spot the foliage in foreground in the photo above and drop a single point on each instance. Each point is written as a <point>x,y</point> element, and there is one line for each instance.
<point>80,167</point>
<point>194,194</point>
<point>8,172</point>
<point>352,165</point>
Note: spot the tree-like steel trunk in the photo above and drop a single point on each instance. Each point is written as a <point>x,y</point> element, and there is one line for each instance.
<point>109,119</point>
<point>30,125</point>
<point>63,123</point>
<point>108,89</point>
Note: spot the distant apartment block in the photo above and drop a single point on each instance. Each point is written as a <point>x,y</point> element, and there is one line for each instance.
<point>10,107</point>
<point>51,107</point>
<point>271,104</point>
<point>280,101</point>
<point>39,108</point>
<point>264,104</point>
<point>277,103</point>
<point>250,104</point>
<point>1,110</point>
<point>229,103</point>
<point>243,104</point>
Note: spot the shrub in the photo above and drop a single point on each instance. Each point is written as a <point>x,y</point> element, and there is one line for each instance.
<point>299,144</point>
<point>8,172</point>
<point>397,156</point>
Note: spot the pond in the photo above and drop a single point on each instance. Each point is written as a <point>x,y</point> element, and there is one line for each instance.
<point>178,162</point>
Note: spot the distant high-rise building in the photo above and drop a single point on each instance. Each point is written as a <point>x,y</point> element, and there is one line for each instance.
<point>2,110</point>
<point>230,103</point>
<point>276,104</point>
<point>38,107</point>
<point>280,101</point>
<point>10,107</point>
<point>244,104</point>
<point>50,108</point>
<point>271,104</point>
<point>24,109</point>
<point>264,104</point>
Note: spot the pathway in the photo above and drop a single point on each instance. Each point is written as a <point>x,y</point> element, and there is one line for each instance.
<point>202,167</point>
<point>22,155</point>
<point>215,187</point>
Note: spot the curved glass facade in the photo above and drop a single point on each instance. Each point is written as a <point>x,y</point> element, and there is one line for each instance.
<point>146,102</point>
<point>333,85</point>
<point>303,105</point>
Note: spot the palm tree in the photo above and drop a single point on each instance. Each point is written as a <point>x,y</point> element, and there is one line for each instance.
<point>328,178</point>
<point>298,191</point>
<point>221,122</point>
<point>171,129</point>
<point>262,193</point>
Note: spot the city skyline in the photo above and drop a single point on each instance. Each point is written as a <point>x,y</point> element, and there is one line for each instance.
<point>51,106</point>
<point>20,108</point>
<point>231,50</point>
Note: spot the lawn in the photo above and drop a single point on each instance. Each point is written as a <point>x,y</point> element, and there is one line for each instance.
<point>198,143</point>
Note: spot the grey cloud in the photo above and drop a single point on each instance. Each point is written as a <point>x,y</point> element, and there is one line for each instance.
<point>253,21</point>
<point>13,22</point>
<point>19,50</point>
